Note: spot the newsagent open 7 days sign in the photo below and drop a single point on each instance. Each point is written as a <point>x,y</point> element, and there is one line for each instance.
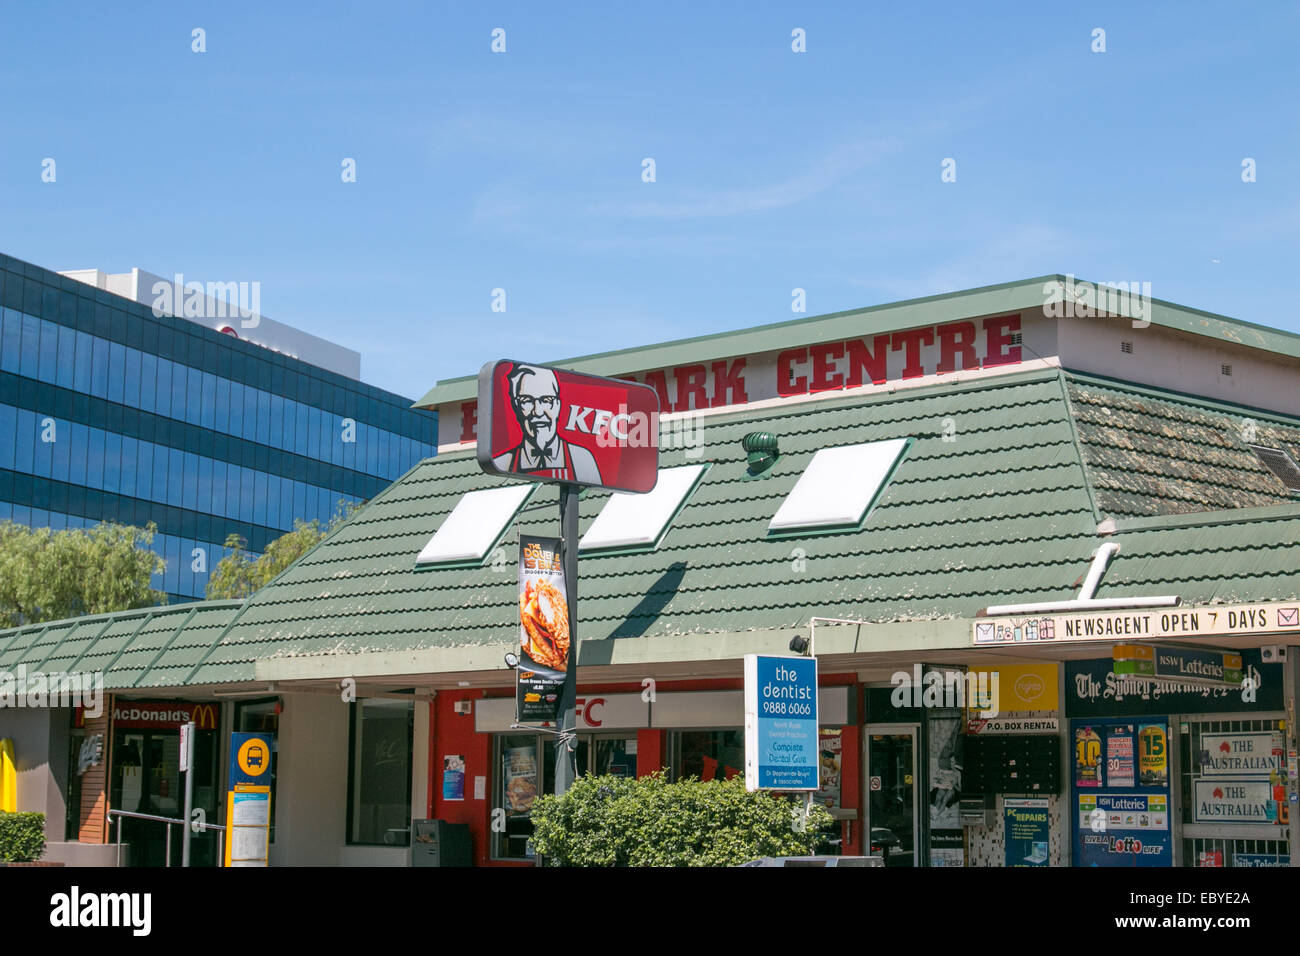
<point>547,424</point>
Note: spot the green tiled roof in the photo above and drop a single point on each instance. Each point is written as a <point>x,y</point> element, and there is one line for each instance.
<point>998,501</point>
<point>1156,454</point>
<point>142,648</point>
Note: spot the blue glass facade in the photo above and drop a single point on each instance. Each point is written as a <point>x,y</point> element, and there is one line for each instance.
<point>110,413</point>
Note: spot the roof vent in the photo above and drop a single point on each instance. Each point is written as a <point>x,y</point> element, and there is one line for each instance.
<point>1280,463</point>
<point>761,452</point>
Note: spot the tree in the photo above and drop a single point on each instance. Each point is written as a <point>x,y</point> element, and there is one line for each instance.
<point>239,574</point>
<point>48,575</point>
<point>621,821</point>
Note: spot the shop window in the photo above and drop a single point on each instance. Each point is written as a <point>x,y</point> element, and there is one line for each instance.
<point>708,754</point>
<point>524,767</point>
<point>838,488</point>
<point>519,763</point>
<point>381,739</point>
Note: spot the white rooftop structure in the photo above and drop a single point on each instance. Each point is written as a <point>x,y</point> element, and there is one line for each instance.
<point>229,307</point>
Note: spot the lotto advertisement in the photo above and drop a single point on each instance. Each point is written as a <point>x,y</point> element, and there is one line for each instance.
<point>1121,793</point>
<point>543,629</point>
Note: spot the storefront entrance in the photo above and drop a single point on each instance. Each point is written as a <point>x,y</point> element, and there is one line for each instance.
<point>890,762</point>
<point>145,777</point>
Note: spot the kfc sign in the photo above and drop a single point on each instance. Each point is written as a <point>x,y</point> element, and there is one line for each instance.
<point>547,424</point>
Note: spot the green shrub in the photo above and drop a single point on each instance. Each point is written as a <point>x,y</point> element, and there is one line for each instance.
<point>620,821</point>
<point>22,837</point>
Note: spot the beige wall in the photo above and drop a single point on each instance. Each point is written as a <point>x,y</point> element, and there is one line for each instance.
<point>40,737</point>
<point>312,781</point>
<point>312,784</point>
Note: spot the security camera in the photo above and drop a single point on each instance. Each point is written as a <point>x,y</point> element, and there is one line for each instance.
<point>799,644</point>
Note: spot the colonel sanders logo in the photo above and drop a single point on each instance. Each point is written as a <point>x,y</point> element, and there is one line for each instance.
<point>535,398</point>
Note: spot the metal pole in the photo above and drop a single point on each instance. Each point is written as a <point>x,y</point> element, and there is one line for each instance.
<point>566,758</point>
<point>118,821</point>
<point>188,759</point>
<point>169,846</point>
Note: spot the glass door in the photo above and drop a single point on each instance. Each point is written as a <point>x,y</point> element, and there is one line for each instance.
<point>890,764</point>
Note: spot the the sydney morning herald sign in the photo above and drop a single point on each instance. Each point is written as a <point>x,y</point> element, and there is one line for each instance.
<point>548,424</point>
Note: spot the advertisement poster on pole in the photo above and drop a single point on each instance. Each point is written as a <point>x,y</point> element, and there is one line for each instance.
<point>543,630</point>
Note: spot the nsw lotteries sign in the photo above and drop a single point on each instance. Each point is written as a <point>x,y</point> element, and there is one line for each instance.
<point>547,424</point>
<point>781,744</point>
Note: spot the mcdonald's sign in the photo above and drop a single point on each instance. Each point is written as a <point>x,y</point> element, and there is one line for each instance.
<point>205,716</point>
<point>165,714</point>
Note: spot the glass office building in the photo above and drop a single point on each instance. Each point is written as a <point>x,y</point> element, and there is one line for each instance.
<point>108,412</point>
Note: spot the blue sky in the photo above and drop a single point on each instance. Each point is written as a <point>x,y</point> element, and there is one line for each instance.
<point>774,170</point>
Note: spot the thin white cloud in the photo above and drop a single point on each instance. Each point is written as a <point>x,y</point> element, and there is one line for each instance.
<point>839,164</point>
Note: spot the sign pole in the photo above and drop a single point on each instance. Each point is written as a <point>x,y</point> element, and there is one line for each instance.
<point>566,758</point>
<point>187,764</point>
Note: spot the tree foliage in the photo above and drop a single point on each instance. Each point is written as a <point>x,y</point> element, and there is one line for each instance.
<point>239,573</point>
<point>48,575</point>
<point>621,821</point>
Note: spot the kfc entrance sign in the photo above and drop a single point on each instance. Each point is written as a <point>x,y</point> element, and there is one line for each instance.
<point>546,424</point>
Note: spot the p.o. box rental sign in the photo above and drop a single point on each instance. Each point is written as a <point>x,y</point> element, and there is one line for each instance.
<point>539,423</point>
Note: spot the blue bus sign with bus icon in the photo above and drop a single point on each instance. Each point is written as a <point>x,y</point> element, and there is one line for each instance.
<point>251,757</point>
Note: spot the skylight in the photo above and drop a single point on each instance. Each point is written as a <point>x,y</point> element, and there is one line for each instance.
<point>640,521</point>
<point>838,487</point>
<point>475,525</point>
<point>1281,464</point>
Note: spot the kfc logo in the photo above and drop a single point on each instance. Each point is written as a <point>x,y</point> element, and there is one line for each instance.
<point>551,425</point>
<point>535,398</point>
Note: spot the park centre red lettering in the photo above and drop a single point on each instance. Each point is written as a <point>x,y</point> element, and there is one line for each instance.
<point>729,384</point>
<point>816,368</point>
<point>468,421</point>
<point>909,343</point>
<point>826,366</point>
<point>957,339</point>
<point>873,362</point>
<point>998,349</point>
<point>786,384</point>
<point>690,384</point>
<point>823,363</point>
<point>659,382</point>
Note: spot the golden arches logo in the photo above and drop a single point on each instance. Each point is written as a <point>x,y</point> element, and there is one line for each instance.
<point>204,716</point>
